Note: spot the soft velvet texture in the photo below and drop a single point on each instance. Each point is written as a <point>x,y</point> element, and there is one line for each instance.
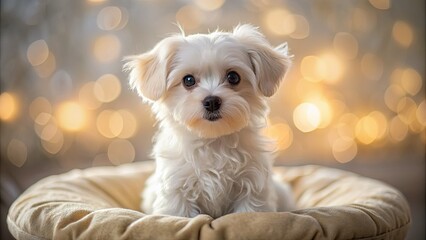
<point>103,203</point>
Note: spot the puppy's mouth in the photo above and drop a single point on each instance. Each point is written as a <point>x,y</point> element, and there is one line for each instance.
<point>212,116</point>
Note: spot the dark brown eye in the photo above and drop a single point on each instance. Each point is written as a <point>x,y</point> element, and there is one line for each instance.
<point>188,81</point>
<point>233,78</point>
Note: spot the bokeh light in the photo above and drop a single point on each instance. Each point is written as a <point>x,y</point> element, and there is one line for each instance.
<point>189,17</point>
<point>280,21</point>
<point>381,4</point>
<point>307,117</point>
<point>363,20</point>
<point>17,152</point>
<point>39,105</point>
<point>96,1</point>
<point>37,52</point>
<point>8,106</point>
<point>121,151</point>
<point>397,129</point>
<point>103,123</point>
<point>393,95</point>
<point>107,48</point>
<point>309,68</point>
<point>110,18</point>
<point>209,5</point>
<point>406,110</point>
<point>411,81</point>
<point>71,116</point>
<point>344,150</point>
<point>345,45</point>
<point>402,33</point>
<point>421,113</point>
<point>302,28</point>
<point>281,133</point>
<point>346,126</point>
<point>107,88</point>
<point>372,66</point>
<point>87,97</point>
<point>367,129</point>
<point>54,144</point>
<point>330,68</point>
<point>45,69</point>
<point>129,124</point>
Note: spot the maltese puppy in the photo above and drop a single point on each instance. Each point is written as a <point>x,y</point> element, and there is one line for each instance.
<point>208,93</point>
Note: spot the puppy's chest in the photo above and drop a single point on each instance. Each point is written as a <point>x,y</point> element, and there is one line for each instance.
<point>215,178</point>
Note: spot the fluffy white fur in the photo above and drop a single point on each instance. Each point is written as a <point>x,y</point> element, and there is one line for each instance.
<point>204,166</point>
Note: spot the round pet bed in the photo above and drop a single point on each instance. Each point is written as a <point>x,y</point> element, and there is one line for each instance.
<point>103,203</point>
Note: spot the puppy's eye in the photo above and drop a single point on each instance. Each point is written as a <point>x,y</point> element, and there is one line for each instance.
<point>233,78</point>
<point>188,81</point>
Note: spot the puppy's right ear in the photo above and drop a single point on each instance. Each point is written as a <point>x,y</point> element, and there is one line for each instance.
<point>149,71</point>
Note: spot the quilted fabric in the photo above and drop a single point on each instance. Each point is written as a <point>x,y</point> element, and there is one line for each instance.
<point>103,203</point>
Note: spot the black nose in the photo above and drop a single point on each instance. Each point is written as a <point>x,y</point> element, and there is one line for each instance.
<point>212,103</point>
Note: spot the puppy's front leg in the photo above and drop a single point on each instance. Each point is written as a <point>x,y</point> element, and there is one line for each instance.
<point>256,200</point>
<point>173,203</point>
<point>252,204</point>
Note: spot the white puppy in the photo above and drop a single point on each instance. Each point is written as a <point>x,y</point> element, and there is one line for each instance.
<point>208,92</point>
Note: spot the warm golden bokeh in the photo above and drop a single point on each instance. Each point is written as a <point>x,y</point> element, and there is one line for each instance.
<point>107,48</point>
<point>121,151</point>
<point>87,96</point>
<point>46,69</point>
<point>8,106</point>
<point>281,133</point>
<point>107,88</point>
<point>402,33</point>
<point>280,21</point>
<point>345,45</point>
<point>381,4</point>
<point>109,18</point>
<point>37,52</point>
<point>372,66</point>
<point>17,152</point>
<point>348,83</point>
<point>39,105</point>
<point>189,17</point>
<point>344,150</point>
<point>71,116</point>
<point>307,117</point>
<point>411,81</point>
<point>209,5</point>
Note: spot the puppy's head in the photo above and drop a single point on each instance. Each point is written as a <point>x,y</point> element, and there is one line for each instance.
<point>213,84</point>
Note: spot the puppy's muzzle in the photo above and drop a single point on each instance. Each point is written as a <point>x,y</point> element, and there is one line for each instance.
<point>212,105</point>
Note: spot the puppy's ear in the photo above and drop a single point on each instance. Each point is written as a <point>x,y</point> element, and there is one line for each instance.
<point>149,71</point>
<point>269,64</point>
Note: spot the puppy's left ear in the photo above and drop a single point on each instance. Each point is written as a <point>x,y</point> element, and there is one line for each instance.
<point>149,71</point>
<point>269,64</point>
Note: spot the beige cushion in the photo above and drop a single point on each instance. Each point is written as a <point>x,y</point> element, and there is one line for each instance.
<point>103,203</point>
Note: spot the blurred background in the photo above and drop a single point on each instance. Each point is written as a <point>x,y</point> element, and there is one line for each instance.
<point>354,98</point>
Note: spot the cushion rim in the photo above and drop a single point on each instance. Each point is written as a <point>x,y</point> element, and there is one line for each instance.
<point>207,222</point>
